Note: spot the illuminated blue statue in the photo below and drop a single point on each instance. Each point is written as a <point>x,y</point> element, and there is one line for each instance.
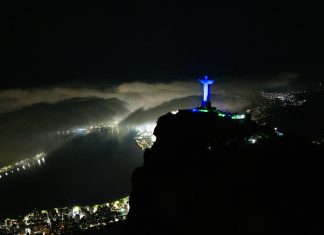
<point>206,88</point>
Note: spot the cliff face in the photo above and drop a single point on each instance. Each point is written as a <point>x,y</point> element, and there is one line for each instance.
<point>207,174</point>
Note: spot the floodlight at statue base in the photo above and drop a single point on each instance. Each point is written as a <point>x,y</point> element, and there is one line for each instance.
<point>206,104</point>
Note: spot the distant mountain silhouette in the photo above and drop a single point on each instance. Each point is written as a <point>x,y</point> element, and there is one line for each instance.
<point>64,114</point>
<point>207,174</point>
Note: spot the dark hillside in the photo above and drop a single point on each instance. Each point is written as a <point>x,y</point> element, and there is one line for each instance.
<point>208,174</point>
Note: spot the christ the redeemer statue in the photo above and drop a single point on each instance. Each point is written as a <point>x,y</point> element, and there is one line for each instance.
<point>206,89</point>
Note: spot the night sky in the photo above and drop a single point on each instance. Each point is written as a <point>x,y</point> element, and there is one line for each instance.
<point>91,43</point>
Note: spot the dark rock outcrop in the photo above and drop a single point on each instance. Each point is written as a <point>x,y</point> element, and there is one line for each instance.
<point>207,174</point>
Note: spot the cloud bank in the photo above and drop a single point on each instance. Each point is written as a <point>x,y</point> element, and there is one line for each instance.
<point>141,94</point>
<point>28,116</point>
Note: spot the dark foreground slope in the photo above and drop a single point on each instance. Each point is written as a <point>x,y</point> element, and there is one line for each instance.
<point>207,174</point>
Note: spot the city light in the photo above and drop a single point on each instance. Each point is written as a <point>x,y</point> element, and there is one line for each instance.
<point>67,219</point>
<point>103,127</point>
<point>17,166</point>
<point>252,140</point>
<point>284,99</point>
<point>278,132</point>
<point>144,136</point>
